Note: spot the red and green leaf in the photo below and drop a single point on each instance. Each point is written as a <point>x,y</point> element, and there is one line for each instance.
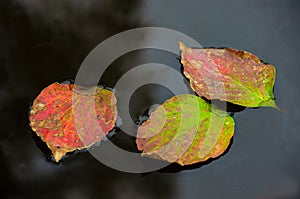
<point>185,129</point>
<point>229,75</point>
<point>65,121</point>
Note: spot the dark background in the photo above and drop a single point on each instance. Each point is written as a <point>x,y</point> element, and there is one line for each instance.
<point>46,41</point>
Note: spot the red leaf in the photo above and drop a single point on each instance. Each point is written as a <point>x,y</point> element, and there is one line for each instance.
<point>52,117</point>
<point>230,75</point>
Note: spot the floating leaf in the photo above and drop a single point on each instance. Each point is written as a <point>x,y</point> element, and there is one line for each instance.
<point>58,112</point>
<point>185,129</point>
<point>229,75</point>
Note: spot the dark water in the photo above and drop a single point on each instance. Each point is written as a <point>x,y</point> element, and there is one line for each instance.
<point>43,42</point>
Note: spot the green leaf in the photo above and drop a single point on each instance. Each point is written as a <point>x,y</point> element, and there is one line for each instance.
<point>229,75</point>
<point>185,129</point>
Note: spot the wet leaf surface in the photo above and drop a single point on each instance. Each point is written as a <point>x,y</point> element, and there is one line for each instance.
<point>186,130</point>
<point>229,75</point>
<point>67,120</point>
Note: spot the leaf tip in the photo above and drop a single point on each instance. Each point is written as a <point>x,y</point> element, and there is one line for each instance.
<point>271,103</point>
<point>182,46</point>
<point>57,155</point>
<point>279,109</point>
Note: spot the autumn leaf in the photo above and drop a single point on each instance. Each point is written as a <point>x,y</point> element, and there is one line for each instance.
<point>229,75</point>
<point>63,117</point>
<point>185,129</point>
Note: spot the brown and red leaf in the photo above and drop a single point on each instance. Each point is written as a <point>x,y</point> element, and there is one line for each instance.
<point>67,120</point>
<point>229,75</point>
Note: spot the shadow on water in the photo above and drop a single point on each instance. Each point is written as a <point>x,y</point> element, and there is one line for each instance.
<point>225,106</point>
